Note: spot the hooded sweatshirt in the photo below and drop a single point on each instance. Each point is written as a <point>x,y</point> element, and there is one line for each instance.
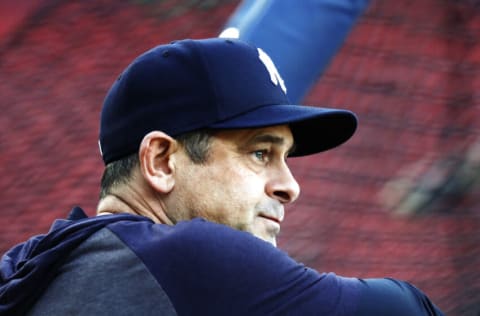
<point>125,264</point>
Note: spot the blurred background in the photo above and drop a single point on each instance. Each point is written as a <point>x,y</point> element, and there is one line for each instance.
<point>400,199</point>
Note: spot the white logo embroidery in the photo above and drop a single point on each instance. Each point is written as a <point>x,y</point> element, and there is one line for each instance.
<point>272,70</point>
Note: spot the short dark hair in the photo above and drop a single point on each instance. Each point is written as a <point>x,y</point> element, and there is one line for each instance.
<point>196,144</point>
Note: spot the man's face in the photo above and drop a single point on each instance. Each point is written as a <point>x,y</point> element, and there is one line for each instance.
<point>245,182</point>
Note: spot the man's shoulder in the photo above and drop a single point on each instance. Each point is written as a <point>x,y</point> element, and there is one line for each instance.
<point>197,259</point>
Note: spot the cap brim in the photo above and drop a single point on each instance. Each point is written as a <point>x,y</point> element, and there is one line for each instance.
<point>314,129</point>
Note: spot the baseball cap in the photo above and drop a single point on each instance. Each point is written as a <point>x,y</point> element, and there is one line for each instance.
<point>213,83</point>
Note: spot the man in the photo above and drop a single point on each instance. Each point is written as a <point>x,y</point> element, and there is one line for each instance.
<point>195,136</point>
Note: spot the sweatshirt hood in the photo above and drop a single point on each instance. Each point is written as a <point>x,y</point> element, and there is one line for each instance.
<point>27,269</point>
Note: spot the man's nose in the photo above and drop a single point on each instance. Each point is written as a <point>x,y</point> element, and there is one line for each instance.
<point>282,185</point>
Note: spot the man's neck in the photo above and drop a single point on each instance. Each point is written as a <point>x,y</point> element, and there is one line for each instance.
<point>117,204</point>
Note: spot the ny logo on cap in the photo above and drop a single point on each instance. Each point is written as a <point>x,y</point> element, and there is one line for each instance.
<point>233,32</point>
<point>272,70</point>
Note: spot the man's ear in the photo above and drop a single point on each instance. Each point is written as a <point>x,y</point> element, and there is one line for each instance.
<point>157,162</point>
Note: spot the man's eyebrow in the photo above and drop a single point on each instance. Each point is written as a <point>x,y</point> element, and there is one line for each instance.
<point>272,139</point>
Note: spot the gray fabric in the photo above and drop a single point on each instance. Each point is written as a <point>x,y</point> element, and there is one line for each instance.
<point>103,277</point>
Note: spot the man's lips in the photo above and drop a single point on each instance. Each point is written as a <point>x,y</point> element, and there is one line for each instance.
<point>272,218</point>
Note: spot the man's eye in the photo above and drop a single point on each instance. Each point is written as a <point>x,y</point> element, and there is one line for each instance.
<point>260,155</point>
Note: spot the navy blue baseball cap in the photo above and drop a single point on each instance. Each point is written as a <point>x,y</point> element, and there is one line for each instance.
<point>214,83</point>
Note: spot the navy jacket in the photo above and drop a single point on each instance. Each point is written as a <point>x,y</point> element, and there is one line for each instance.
<point>127,265</point>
